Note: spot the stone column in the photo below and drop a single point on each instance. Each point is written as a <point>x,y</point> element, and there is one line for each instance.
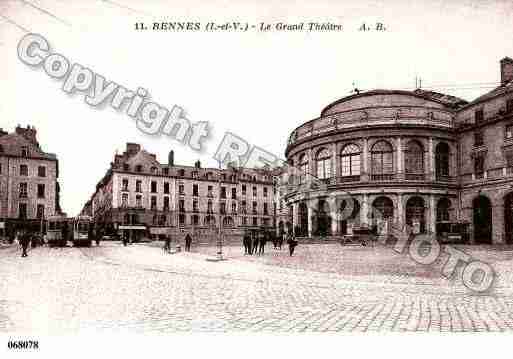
<point>431,160</point>
<point>400,211</point>
<point>334,163</point>
<point>431,227</point>
<point>311,166</point>
<point>498,224</point>
<point>400,165</point>
<point>310,214</point>
<point>365,160</point>
<point>334,223</point>
<point>364,211</point>
<point>294,216</point>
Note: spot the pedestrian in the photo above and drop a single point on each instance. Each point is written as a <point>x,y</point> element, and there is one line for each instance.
<point>188,241</point>
<point>24,239</point>
<point>98,237</point>
<point>125,239</point>
<point>167,244</point>
<point>262,242</point>
<point>292,244</point>
<point>246,239</point>
<point>255,243</point>
<point>280,240</point>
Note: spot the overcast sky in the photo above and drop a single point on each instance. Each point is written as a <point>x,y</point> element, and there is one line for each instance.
<point>257,85</point>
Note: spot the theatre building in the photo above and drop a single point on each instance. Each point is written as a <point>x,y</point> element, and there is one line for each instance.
<point>418,157</point>
<point>141,197</point>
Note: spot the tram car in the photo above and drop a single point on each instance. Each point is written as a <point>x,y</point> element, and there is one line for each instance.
<point>56,231</point>
<point>81,231</point>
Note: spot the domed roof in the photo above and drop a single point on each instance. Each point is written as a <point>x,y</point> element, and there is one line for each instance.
<point>451,102</point>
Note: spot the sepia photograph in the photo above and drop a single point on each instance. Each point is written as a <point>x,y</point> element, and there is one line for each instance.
<point>191,178</point>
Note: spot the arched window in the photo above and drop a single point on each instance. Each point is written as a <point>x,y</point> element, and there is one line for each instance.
<point>442,210</point>
<point>442,154</point>
<point>384,207</point>
<point>350,160</point>
<point>382,161</point>
<point>415,211</point>
<point>414,161</point>
<point>323,160</point>
<point>303,168</point>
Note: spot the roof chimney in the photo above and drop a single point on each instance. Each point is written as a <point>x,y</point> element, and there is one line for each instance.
<point>132,148</point>
<point>29,133</point>
<point>197,164</point>
<point>506,70</point>
<point>171,158</point>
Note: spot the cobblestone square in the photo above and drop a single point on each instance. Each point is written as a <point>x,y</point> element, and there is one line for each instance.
<point>140,289</point>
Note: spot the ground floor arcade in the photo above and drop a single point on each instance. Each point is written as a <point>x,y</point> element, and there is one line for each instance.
<point>339,214</point>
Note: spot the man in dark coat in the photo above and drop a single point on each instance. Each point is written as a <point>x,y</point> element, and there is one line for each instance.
<point>292,244</point>
<point>24,239</point>
<point>255,243</point>
<point>262,241</point>
<point>188,241</point>
<point>246,241</point>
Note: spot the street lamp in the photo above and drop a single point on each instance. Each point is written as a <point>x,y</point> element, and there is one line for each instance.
<point>219,255</point>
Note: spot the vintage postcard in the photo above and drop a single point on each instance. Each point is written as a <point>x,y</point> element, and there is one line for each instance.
<point>198,177</point>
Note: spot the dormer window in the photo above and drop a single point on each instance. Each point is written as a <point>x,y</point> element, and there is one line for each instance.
<point>181,173</point>
<point>153,170</point>
<point>165,171</point>
<point>126,167</point>
<point>24,151</point>
<point>138,168</point>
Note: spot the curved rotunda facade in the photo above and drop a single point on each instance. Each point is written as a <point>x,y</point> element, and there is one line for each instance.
<point>419,157</point>
<point>392,150</point>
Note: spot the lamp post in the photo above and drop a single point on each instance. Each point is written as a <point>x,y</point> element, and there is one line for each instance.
<point>219,255</point>
<point>219,235</point>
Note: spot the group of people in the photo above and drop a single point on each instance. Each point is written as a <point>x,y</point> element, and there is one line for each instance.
<point>254,242</point>
<point>188,242</point>
<point>255,245</point>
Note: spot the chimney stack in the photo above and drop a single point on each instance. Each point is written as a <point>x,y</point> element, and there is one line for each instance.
<point>171,158</point>
<point>132,149</point>
<point>29,133</point>
<point>506,70</point>
<point>197,164</point>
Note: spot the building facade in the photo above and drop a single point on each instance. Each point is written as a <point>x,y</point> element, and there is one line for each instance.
<point>139,195</point>
<point>419,158</point>
<point>29,188</point>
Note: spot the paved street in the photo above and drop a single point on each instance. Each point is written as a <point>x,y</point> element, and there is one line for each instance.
<point>140,289</point>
